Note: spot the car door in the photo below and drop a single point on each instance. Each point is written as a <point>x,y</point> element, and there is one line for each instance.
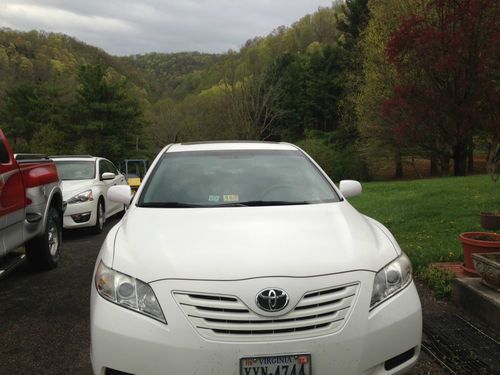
<point>12,202</point>
<point>119,179</point>
<point>104,185</point>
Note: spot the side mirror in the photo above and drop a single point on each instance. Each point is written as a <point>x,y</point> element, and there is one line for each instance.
<point>350,188</point>
<point>107,176</point>
<point>120,194</point>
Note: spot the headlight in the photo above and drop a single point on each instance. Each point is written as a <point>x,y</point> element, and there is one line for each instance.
<point>82,197</point>
<point>391,279</point>
<point>128,292</point>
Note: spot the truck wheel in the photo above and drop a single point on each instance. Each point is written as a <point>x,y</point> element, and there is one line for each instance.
<point>43,252</point>
<point>100,219</point>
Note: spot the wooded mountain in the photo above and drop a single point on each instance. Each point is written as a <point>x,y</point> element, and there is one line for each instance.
<point>167,72</point>
<point>339,82</point>
<point>38,56</point>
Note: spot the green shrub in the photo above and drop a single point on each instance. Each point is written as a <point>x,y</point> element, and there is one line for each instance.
<point>439,280</point>
<point>339,161</point>
<point>350,165</point>
<point>321,153</point>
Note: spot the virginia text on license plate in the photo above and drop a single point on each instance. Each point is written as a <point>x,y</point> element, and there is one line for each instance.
<point>297,364</point>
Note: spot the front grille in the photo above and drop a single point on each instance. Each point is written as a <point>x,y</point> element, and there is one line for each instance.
<point>228,318</point>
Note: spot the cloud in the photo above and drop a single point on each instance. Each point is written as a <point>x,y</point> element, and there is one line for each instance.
<point>45,17</point>
<point>126,27</point>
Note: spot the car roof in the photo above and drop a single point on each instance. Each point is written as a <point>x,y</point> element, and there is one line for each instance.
<point>230,145</point>
<point>74,158</point>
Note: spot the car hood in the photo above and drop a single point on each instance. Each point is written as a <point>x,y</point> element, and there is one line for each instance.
<point>247,242</point>
<point>72,187</point>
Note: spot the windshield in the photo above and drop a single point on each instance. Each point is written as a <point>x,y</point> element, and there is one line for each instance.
<point>235,178</point>
<point>75,170</point>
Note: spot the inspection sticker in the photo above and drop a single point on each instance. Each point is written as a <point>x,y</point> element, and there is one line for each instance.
<point>231,198</point>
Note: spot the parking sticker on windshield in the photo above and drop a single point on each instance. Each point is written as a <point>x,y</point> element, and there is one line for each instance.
<point>213,198</point>
<point>231,198</point>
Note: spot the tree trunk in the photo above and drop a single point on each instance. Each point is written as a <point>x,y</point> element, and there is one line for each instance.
<point>470,158</point>
<point>459,160</point>
<point>399,163</point>
<point>444,162</point>
<point>434,166</point>
<point>414,164</point>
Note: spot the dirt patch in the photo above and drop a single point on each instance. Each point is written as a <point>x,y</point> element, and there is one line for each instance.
<point>418,168</point>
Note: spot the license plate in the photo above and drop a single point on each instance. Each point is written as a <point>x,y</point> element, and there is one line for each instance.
<point>295,364</point>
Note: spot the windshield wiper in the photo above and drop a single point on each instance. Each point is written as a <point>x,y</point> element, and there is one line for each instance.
<point>229,204</point>
<point>169,205</point>
<point>266,203</point>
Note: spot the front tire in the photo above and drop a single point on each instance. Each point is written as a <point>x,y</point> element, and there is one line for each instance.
<point>44,252</point>
<point>100,219</point>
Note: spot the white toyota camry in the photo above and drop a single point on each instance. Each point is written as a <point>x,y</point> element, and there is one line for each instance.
<point>245,259</point>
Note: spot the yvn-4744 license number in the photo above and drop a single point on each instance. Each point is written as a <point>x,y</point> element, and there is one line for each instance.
<point>299,364</point>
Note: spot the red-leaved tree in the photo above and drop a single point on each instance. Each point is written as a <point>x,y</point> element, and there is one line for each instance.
<point>447,61</point>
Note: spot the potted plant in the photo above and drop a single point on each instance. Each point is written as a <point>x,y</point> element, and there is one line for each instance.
<point>477,242</point>
<point>490,220</point>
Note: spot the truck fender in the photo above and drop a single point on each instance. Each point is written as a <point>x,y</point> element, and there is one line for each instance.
<point>54,199</point>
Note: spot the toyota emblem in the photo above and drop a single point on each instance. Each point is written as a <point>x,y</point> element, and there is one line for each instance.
<point>272,299</point>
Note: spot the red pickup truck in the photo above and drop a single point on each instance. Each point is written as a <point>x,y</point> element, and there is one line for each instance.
<point>31,208</point>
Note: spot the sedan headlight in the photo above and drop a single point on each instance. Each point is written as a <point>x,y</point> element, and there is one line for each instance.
<point>391,279</point>
<point>127,292</point>
<point>86,196</point>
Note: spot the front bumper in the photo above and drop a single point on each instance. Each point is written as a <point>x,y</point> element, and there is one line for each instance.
<point>80,208</point>
<point>127,341</point>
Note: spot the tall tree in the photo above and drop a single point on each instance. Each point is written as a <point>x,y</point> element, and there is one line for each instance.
<point>312,85</point>
<point>20,112</point>
<point>107,119</point>
<point>379,79</point>
<point>254,100</point>
<point>30,109</point>
<point>353,19</point>
<point>325,86</point>
<point>446,59</point>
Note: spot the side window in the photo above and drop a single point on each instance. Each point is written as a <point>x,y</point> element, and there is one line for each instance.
<point>106,166</point>
<point>111,168</point>
<point>102,167</point>
<point>4,155</point>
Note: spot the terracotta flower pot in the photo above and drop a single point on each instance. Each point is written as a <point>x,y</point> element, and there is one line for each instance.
<point>490,220</point>
<point>477,242</point>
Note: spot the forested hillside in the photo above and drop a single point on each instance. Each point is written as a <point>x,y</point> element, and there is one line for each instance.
<point>354,84</point>
<point>173,74</point>
<point>38,56</point>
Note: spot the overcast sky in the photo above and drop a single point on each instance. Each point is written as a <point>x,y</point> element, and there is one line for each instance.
<point>123,27</point>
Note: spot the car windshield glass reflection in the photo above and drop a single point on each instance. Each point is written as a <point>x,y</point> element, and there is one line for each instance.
<point>235,178</point>
<point>76,170</point>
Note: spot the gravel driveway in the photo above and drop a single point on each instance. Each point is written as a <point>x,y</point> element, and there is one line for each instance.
<point>44,317</point>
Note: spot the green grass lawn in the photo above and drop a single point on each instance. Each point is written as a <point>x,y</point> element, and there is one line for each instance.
<point>426,216</point>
